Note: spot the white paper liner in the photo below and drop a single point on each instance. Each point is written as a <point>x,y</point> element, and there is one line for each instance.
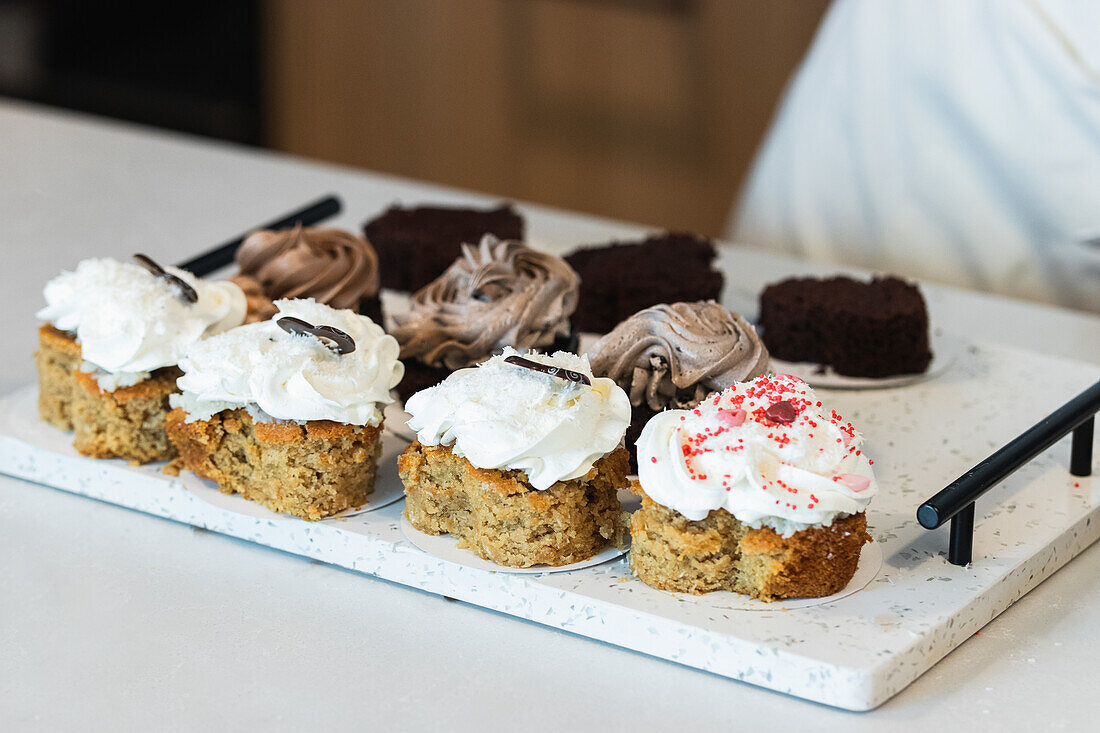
<point>24,420</point>
<point>870,562</point>
<point>945,351</point>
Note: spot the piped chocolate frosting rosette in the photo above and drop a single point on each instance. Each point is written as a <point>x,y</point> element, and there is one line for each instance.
<point>332,266</point>
<point>500,293</point>
<point>673,356</point>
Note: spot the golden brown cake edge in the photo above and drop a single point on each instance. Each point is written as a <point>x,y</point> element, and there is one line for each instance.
<point>311,471</point>
<point>56,359</point>
<point>496,514</point>
<point>671,552</point>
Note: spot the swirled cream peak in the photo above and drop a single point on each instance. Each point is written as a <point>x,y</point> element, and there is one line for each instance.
<point>501,415</point>
<point>497,294</point>
<point>276,374</point>
<point>766,451</point>
<point>675,355</point>
<point>332,266</point>
<point>129,322</point>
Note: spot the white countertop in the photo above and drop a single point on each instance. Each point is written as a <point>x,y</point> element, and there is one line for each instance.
<point>113,619</point>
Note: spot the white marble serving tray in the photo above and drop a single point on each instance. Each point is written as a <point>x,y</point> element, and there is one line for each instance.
<point>854,652</point>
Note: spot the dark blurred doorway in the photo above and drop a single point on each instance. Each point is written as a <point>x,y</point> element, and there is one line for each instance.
<point>193,66</point>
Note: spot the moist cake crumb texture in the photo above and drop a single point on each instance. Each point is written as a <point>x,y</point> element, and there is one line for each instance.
<point>311,471</point>
<point>57,358</point>
<point>126,423</point>
<point>720,553</point>
<point>500,517</point>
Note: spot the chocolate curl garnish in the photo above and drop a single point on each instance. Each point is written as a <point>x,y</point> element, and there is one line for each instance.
<point>782,412</point>
<point>566,374</point>
<point>332,338</point>
<point>186,291</point>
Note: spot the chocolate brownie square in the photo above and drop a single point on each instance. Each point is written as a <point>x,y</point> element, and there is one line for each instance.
<point>621,278</point>
<point>415,245</point>
<point>860,329</point>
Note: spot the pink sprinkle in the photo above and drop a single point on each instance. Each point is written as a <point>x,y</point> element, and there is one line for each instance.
<point>732,418</point>
<point>854,482</point>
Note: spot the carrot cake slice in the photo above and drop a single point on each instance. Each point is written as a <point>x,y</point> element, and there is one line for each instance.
<point>288,412</point>
<point>107,356</point>
<point>520,458</point>
<point>757,490</point>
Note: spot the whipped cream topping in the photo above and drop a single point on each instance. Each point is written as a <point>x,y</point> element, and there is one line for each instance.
<point>500,293</point>
<point>675,355</point>
<point>332,266</point>
<point>129,323</point>
<point>500,415</point>
<point>766,451</point>
<point>276,375</point>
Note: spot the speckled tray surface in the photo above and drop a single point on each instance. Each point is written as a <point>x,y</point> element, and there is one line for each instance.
<point>854,652</point>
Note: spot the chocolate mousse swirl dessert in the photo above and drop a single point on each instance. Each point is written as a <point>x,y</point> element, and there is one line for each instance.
<point>332,266</point>
<point>673,356</point>
<point>500,293</point>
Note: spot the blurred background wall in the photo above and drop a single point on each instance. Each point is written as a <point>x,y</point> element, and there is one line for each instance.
<point>646,110</point>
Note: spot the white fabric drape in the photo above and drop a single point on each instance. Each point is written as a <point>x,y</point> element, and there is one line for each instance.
<point>956,141</point>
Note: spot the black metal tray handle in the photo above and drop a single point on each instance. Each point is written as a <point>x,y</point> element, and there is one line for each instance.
<point>222,255</point>
<point>956,502</point>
